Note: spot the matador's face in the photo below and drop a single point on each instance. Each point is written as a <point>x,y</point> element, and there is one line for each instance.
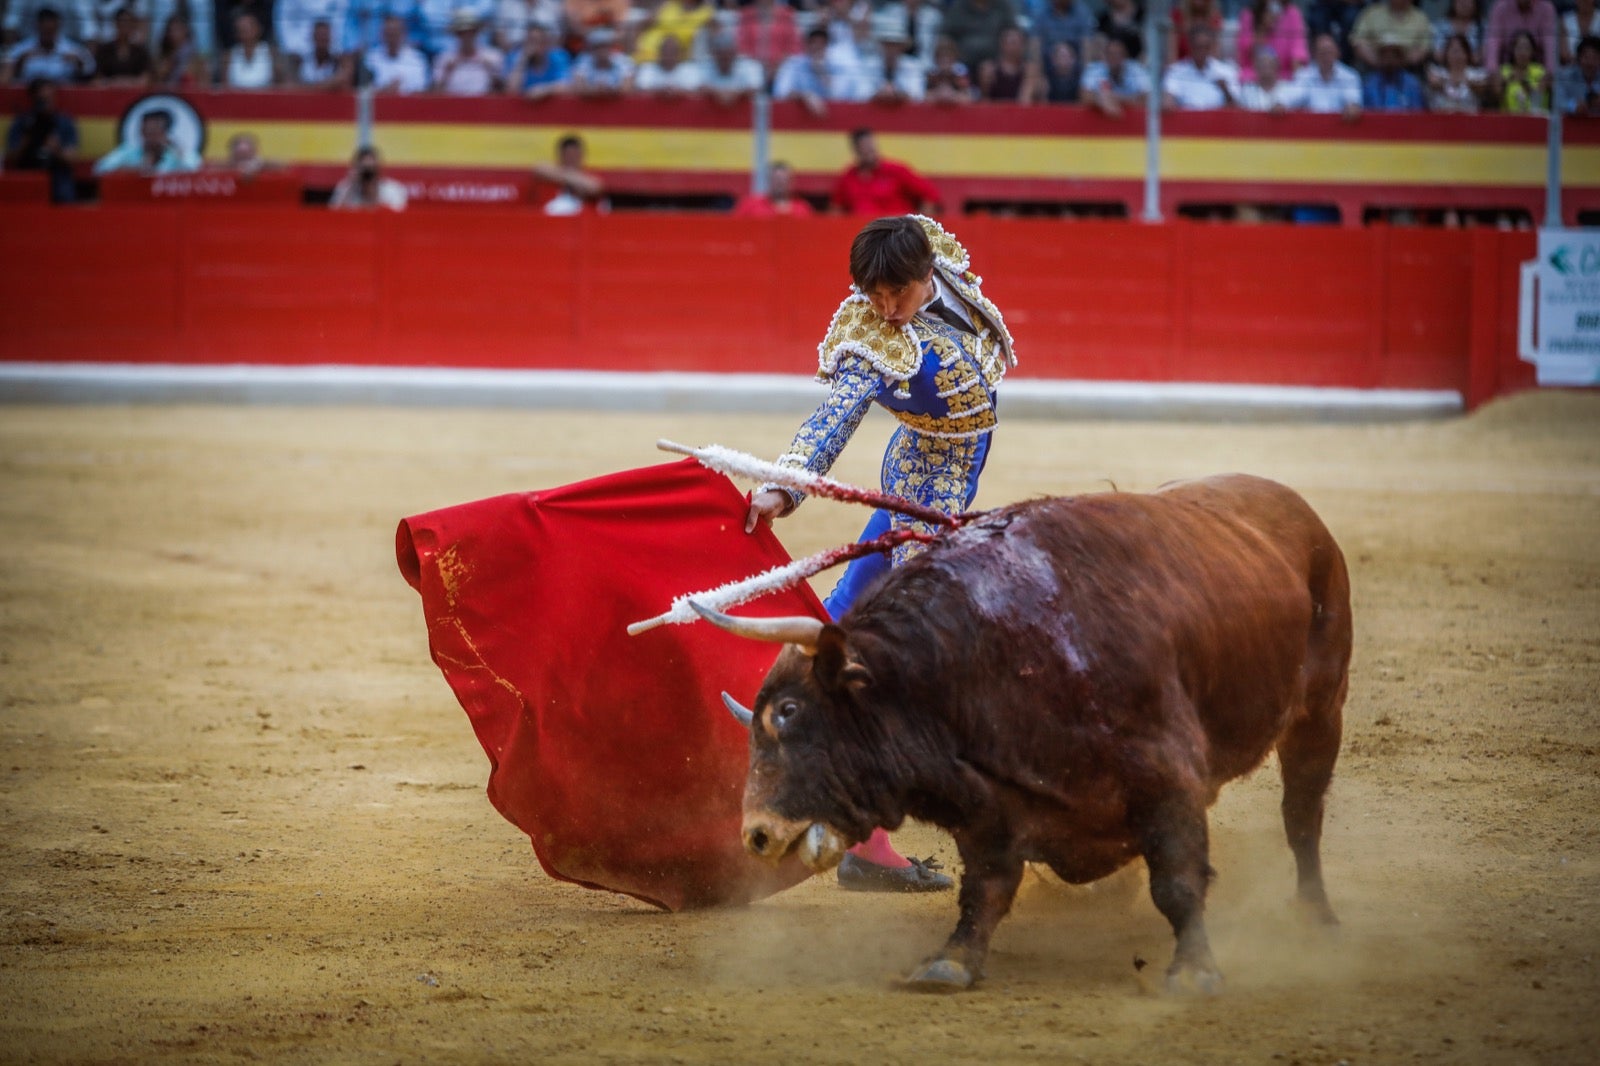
<point>897,303</point>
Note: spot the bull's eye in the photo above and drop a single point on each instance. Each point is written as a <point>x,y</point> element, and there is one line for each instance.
<point>783,712</point>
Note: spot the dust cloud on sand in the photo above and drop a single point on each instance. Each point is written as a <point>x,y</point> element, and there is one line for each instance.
<point>242,818</point>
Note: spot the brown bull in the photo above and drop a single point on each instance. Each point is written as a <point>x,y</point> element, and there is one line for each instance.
<point>1068,681</point>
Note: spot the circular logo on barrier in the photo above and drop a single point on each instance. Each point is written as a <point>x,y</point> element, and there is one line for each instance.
<point>188,128</point>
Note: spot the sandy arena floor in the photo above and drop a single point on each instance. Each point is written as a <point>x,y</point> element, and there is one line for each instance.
<point>242,817</point>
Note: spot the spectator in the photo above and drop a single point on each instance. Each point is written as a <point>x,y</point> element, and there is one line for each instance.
<point>1327,86</point>
<point>1012,76</point>
<point>975,26</point>
<point>856,55</point>
<point>577,190</point>
<point>1187,14</point>
<point>395,64</point>
<point>1582,21</point>
<point>93,22</point>
<point>365,188</point>
<point>667,75</point>
<point>1201,81</point>
<point>179,63</point>
<point>1265,91</point>
<point>919,20</point>
<point>539,68</point>
<point>1062,75</point>
<point>1392,20</point>
<point>252,63</point>
<point>322,67</point>
<point>294,23</point>
<point>227,12</point>
<point>602,70</point>
<point>682,19</point>
<point>875,186</point>
<point>435,31</point>
<point>122,60</point>
<point>1113,83</point>
<point>768,34</point>
<point>813,79</point>
<point>244,156</point>
<point>949,81</point>
<point>1523,81</point>
<point>1579,84</point>
<point>729,77</point>
<point>1509,17</point>
<point>1456,85</point>
<point>365,19</point>
<point>839,18</point>
<point>779,199</point>
<point>1062,20</point>
<point>1277,23</point>
<point>509,27</point>
<point>1337,18</point>
<point>1391,87</point>
<point>896,77</point>
<point>42,138</point>
<point>153,151</point>
<point>471,68</point>
<point>1461,20</point>
<point>1123,20</point>
<point>48,53</point>
<point>200,16</point>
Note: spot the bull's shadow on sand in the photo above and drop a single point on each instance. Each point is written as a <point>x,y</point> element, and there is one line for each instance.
<point>1108,938</point>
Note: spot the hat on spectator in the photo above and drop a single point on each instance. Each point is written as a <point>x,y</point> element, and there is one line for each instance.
<point>463,20</point>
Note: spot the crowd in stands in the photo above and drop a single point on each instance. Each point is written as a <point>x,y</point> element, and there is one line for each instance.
<point>1333,56</point>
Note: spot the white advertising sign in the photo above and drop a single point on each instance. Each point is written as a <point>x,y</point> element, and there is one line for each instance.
<point>1559,327</point>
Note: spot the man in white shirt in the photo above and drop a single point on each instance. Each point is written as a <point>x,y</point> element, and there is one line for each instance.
<point>1201,82</point>
<point>292,21</point>
<point>1327,86</point>
<point>1268,92</point>
<point>667,74</point>
<point>728,76</point>
<point>395,64</point>
<point>896,76</point>
<point>472,68</point>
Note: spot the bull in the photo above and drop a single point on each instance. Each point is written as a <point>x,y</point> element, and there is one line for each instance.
<point>1068,681</point>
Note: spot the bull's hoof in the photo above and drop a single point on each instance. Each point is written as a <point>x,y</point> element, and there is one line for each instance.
<point>940,975</point>
<point>1187,981</point>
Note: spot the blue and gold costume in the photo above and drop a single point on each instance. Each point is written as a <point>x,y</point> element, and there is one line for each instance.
<point>937,380</point>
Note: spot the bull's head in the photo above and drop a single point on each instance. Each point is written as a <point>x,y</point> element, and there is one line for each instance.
<point>800,794</point>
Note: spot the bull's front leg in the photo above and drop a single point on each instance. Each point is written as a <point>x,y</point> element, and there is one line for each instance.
<point>989,882</point>
<point>1174,841</point>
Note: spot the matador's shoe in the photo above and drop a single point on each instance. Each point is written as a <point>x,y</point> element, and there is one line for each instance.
<point>859,875</point>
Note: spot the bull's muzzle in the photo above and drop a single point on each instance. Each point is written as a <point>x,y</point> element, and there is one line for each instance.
<point>768,837</point>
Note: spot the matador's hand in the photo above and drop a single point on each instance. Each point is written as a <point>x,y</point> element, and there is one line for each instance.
<point>764,507</point>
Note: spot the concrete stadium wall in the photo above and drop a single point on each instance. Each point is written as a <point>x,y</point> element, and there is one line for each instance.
<point>208,283</point>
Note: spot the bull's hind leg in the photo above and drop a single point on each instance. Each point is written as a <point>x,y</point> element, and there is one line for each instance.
<point>1306,755</point>
<point>989,881</point>
<point>1175,843</point>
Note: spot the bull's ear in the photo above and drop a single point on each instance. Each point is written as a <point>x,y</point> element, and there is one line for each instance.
<point>836,667</point>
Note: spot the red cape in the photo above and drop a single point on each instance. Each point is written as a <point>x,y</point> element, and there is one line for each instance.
<point>613,753</point>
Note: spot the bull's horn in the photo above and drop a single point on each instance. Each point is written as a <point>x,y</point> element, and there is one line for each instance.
<point>738,710</point>
<point>794,630</point>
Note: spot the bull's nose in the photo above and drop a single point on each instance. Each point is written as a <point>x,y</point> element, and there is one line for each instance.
<point>757,840</point>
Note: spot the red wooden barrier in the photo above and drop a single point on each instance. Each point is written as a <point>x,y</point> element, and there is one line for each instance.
<point>504,287</point>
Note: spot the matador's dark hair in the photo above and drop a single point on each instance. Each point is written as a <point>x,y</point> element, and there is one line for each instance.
<point>890,251</point>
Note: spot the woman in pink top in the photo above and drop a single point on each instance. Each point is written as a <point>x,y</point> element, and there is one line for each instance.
<point>1278,23</point>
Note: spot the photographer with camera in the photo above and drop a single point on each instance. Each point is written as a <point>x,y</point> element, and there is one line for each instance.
<point>364,187</point>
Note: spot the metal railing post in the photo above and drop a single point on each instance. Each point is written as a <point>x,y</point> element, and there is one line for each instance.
<point>1154,13</point>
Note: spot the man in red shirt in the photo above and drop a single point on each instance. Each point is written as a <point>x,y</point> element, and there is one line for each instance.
<point>876,186</point>
<point>778,200</point>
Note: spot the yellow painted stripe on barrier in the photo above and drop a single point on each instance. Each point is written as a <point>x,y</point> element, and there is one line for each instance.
<point>625,148</point>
